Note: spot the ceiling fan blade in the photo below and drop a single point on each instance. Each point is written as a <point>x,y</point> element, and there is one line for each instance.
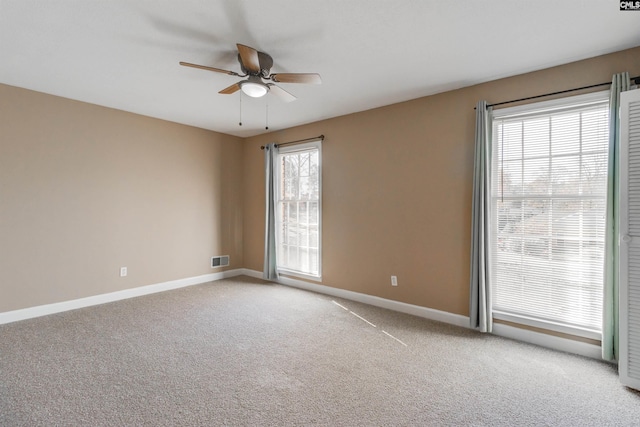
<point>231,89</point>
<point>249,58</point>
<point>281,93</point>
<point>203,67</point>
<point>308,78</point>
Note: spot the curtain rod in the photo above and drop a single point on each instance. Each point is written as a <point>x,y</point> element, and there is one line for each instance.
<point>636,80</point>
<point>321,137</point>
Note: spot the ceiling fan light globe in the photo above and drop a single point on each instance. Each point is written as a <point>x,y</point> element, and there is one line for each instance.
<point>254,90</point>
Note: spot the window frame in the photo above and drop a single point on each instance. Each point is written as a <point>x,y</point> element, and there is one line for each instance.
<point>286,150</point>
<point>523,111</point>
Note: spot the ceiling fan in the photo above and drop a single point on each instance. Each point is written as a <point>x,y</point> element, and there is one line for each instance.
<point>256,66</point>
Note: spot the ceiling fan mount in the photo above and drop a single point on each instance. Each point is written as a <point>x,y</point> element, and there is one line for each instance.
<point>256,66</point>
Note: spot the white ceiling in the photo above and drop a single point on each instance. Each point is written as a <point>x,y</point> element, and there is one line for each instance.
<point>124,54</point>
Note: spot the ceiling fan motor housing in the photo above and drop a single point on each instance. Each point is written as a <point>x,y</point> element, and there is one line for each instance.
<point>266,62</point>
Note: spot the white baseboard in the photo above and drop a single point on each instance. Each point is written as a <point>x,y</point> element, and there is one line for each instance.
<point>548,341</point>
<point>252,273</point>
<point>544,340</point>
<point>43,310</point>
<point>531,337</point>
<point>416,310</point>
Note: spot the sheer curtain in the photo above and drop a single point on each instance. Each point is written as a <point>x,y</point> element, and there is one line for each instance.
<point>270,166</point>
<point>610,336</point>
<point>480,292</point>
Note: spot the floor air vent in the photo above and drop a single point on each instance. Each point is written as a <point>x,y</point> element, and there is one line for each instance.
<point>219,261</point>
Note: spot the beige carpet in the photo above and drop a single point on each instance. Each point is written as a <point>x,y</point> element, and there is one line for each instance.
<point>244,352</point>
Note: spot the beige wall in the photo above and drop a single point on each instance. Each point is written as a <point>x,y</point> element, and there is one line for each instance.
<point>85,190</point>
<point>397,186</point>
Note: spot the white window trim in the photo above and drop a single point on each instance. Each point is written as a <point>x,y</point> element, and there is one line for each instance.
<point>538,107</point>
<point>523,111</point>
<point>316,144</point>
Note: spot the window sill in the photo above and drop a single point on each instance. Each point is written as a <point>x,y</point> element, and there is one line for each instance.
<point>299,275</point>
<point>550,326</point>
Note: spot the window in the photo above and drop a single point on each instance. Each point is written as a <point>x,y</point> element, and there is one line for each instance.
<point>299,210</point>
<point>549,175</point>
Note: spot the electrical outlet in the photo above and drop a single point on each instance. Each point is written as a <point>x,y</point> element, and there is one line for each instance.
<point>394,280</point>
<point>123,271</point>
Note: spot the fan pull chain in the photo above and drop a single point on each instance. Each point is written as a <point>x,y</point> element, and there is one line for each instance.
<point>266,126</point>
<point>240,122</point>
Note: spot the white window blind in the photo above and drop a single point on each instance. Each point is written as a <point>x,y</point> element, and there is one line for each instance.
<point>549,174</point>
<point>299,210</point>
